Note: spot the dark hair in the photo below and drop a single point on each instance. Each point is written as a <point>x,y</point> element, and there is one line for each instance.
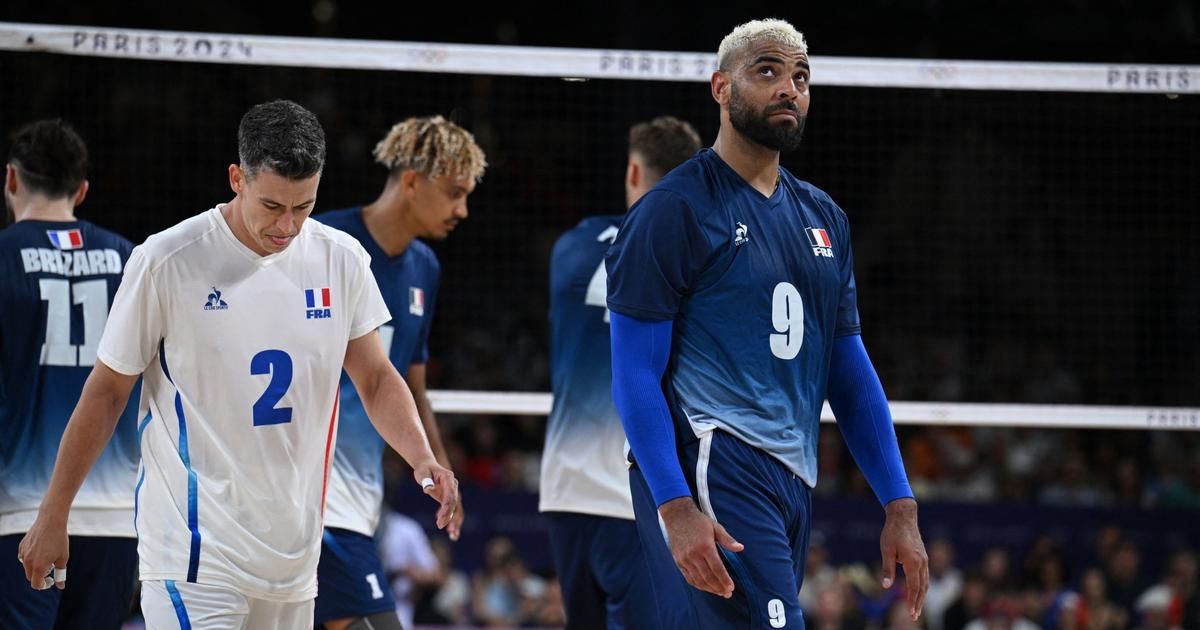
<point>50,157</point>
<point>663,143</point>
<point>281,136</point>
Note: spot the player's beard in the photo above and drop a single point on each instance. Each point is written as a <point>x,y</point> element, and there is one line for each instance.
<point>758,127</point>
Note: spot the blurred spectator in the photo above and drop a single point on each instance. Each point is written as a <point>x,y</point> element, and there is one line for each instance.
<point>818,573</point>
<point>1181,578</point>
<point>495,596</point>
<point>996,570</point>
<point>945,583</point>
<point>549,611</point>
<point>1094,611</point>
<point>1002,612</point>
<point>1072,486</point>
<point>448,602</point>
<point>409,561</point>
<point>834,609</point>
<point>1124,579</point>
<point>1154,609</point>
<point>969,604</point>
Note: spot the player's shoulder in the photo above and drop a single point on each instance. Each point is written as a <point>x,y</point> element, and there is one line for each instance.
<point>342,218</point>
<point>807,192</point>
<point>697,184</point>
<point>581,241</point>
<point>163,246</point>
<point>335,240</point>
<point>593,228</point>
<point>105,236</point>
<point>424,254</point>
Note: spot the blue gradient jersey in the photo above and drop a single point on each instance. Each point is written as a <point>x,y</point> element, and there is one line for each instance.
<point>583,464</point>
<point>409,284</point>
<point>57,280</point>
<point>757,288</point>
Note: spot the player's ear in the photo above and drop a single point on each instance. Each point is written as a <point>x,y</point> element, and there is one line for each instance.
<point>408,181</point>
<point>81,194</point>
<point>10,179</point>
<point>633,173</point>
<point>720,83</point>
<point>237,178</point>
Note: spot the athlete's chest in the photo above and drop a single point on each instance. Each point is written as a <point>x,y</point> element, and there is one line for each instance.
<point>236,301</point>
<point>759,247</point>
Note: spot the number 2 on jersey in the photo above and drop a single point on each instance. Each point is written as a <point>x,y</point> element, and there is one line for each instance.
<point>278,364</point>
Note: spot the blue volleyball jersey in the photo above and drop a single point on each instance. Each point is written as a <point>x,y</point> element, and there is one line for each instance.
<point>583,462</point>
<point>757,288</point>
<point>409,284</point>
<point>57,281</point>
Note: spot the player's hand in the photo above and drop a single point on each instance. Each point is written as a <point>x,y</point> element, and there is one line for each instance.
<point>439,483</point>
<point>43,552</point>
<point>693,538</point>
<point>901,543</point>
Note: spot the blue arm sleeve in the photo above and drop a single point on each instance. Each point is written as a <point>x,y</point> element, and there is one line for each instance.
<point>856,397</point>
<point>640,350</point>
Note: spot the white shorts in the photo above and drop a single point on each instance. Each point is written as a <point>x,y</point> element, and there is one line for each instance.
<point>170,605</point>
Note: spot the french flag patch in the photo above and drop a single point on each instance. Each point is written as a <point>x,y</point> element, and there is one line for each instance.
<point>416,301</point>
<point>817,237</point>
<point>65,239</point>
<point>317,303</point>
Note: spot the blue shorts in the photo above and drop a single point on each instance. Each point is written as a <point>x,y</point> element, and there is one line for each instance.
<point>605,585</point>
<point>763,506</point>
<point>101,575</point>
<point>351,582</point>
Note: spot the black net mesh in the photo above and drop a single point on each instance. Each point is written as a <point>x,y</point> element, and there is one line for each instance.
<point>1010,246</point>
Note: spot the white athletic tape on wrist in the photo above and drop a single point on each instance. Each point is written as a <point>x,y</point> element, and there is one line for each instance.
<point>426,483</point>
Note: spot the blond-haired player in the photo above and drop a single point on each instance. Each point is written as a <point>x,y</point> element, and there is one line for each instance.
<point>433,165</point>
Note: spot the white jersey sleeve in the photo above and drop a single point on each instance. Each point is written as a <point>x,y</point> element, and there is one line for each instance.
<point>370,312</point>
<point>135,323</point>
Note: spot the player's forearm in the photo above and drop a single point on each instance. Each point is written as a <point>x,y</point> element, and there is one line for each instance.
<point>861,408</point>
<point>640,350</point>
<point>391,408</point>
<point>88,431</point>
<point>432,432</point>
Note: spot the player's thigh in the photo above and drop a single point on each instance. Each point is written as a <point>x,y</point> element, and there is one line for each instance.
<point>172,605</point>
<point>571,538</point>
<point>21,606</point>
<point>101,577</point>
<point>754,498</point>
<point>621,571</point>
<point>351,582</point>
<point>269,615</point>
<point>674,599</point>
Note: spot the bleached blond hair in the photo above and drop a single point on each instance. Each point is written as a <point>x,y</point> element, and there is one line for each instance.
<point>431,146</point>
<point>770,30</point>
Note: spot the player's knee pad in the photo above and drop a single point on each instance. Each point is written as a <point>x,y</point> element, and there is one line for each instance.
<point>379,621</point>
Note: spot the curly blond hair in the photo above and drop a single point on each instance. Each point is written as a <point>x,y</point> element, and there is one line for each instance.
<point>431,146</point>
<point>771,30</point>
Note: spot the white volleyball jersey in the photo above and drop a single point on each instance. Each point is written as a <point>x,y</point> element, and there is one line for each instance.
<point>241,356</point>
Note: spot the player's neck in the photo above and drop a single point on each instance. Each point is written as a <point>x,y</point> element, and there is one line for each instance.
<point>756,164</point>
<point>40,209</point>
<point>388,225</point>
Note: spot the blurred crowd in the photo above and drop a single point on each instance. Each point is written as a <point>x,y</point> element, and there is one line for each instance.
<point>1094,468</point>
<point>1038,588</point>
<point>1028,589</point>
